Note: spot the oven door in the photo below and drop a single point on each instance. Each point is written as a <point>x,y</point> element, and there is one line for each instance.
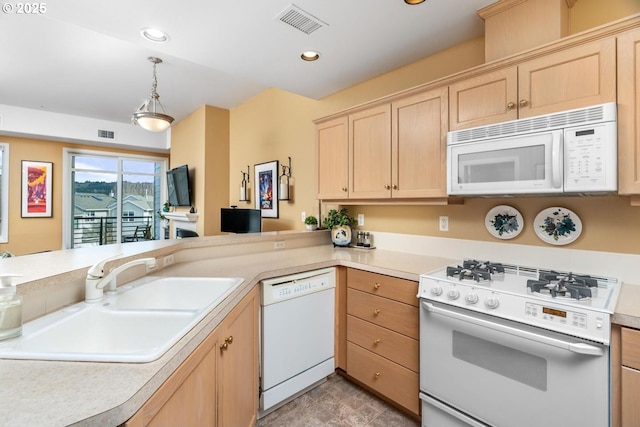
<point>503,373</point>
<point>522,164</point>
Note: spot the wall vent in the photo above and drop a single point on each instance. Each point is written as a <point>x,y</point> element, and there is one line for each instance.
<point>300,20</point>
<point>107,134</point>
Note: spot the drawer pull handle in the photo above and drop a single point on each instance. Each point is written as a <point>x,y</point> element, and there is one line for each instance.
<point>376,341</point>
<point>376,311</point>
<point>377,375</point>
<point>376,286</point>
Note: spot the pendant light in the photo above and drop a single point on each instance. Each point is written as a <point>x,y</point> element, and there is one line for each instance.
<point>148,116</point>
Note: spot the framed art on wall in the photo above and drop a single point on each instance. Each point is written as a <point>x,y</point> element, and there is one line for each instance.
<point>266,188</point>
<point>36,188</point>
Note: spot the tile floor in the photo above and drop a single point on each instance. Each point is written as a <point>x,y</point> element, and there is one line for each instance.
<point>337,402</point>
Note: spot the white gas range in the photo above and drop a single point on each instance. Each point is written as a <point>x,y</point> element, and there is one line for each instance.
<point>511,334</point>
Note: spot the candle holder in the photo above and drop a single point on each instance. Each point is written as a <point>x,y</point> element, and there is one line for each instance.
<point>244,186</point>
<point>284,181</point>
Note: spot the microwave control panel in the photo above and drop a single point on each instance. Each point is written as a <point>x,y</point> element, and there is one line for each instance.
<point>590,158</point>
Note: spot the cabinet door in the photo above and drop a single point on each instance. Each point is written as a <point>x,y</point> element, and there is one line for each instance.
<point>572,78</point>
<point>419,126</point>
<point>332,148</point>
<point>629,113</point>
<point>630,392</point>
<point>481,100</point>
<point>238,375</point>
<point>370,153</point>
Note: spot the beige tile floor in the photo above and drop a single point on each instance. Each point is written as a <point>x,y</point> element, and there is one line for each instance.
<point>337,402</point>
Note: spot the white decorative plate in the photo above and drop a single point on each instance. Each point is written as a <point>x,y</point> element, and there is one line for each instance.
<point>504,222</point>
<point>557,226</point>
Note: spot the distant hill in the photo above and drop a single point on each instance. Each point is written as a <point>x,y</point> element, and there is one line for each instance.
<point>102,187</point>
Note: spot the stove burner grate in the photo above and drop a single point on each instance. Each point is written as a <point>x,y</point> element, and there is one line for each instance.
<point>564,285</point>
<point>475,270</point>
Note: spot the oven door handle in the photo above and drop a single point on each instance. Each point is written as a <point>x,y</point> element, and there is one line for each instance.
<point>581,348</point>
<point>445,408</point>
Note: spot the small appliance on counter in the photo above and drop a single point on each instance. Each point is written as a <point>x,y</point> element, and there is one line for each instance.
<point>10,308</point>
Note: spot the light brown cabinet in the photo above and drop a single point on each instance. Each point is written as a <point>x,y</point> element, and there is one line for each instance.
<point>217,385</point>
<point>390,151</point>
<point>565,79</point>
<point>382,336</point>
<point>629,112</point>
<point>630,378</point>
<point>332,153</point>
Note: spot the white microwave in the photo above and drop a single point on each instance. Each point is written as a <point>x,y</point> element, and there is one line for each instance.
<point>573,151</point>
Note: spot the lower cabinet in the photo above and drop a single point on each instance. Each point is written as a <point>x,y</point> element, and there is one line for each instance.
<point>630,378</point>
<point>217,385</point>
<point>382,336</point>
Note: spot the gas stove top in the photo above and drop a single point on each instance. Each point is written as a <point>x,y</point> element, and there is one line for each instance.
<point>566,302</point>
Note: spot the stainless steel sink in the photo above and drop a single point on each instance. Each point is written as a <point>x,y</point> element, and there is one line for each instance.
<point>137,324</point>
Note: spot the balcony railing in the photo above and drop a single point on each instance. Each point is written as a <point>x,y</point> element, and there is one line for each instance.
<point>103,230</point>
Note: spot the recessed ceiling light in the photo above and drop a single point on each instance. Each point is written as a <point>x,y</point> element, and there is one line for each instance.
<point>310,55</point>
<point>412,2</point>
<point>154,35</point>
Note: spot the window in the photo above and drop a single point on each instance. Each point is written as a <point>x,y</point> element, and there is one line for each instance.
<point>110,196</point>
<point>4,193</point>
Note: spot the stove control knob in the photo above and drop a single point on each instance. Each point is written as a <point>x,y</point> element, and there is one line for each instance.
<point>471,298</point>
<point>453,294</point>
<point>436,291</point>
<point>492,302</point>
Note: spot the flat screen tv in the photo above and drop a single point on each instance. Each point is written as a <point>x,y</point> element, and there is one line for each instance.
<point>179,186</point>
<point>240,220</point>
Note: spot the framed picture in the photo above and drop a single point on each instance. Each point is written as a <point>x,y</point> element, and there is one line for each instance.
<point>36,188</point>
<point>266,188</point>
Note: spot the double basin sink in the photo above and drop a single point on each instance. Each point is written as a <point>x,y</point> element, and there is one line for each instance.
<point>137,324</point>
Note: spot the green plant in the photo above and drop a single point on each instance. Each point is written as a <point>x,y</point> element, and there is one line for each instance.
<point>335,218</point>
<point>311,220</point>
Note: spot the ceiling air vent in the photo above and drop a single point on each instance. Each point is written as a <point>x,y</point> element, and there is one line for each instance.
<point>300,20</point>
<point>107,134</point>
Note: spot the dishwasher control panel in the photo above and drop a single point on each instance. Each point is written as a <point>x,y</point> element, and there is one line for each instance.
<point>287,287</point>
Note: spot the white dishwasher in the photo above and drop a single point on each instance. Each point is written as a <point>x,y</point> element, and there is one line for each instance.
<point>297,339</point>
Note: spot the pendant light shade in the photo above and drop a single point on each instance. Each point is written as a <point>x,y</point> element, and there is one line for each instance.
<point>149,116</point>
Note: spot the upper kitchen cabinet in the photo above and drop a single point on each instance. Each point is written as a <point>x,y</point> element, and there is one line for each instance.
<point>563,79</point>
<point>629,112</point>
<point>332,150</point>
<point>370,153</point>
<point>419,126</point>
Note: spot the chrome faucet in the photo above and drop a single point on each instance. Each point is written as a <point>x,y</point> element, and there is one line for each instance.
<point>96,281</point>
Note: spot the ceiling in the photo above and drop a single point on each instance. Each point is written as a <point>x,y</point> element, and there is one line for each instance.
<point>87,58</point>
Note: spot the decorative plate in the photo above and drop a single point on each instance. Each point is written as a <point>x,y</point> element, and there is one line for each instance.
<point>504,222</point>
<point>557,226</point>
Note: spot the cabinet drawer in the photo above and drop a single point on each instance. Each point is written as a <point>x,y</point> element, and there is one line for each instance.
<point>385,377</point>
<point>385,286</point>
<point>399,317</point>
<point>630,389</point>
<point>631,348</point>
<point>384,342</point>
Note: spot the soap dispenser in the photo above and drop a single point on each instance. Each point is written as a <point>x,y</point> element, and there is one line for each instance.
<point>10,308</point>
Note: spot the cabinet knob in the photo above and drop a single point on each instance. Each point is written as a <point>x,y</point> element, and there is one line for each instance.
<point>395,187</point>
<point>344,189</point>
<point>224,346</point>
<point>523,102</point>
<point>376,341</point>
<point>377,375</point>
<point>376,286</point>
<point>376,311</point>
<point>511,105</point>
<point>387,186</point>
<point>229,339</point>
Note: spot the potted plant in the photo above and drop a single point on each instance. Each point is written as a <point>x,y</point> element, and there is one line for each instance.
<point>311,222</point>
<point>339,223</point>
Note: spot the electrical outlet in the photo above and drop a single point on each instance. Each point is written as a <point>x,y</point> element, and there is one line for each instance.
<point>303,216</point>
<point>167,261</point>
<point>444,223</point>
<point>360,220</point>
<point>279,245</point>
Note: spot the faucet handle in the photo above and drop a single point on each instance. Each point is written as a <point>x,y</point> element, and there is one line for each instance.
<point>97,270</point>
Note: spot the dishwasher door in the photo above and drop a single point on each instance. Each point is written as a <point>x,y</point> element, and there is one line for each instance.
<point>297,342</point>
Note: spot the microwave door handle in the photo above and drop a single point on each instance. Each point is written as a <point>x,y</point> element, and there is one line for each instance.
<point>581,348</point>
<point>556,160</point>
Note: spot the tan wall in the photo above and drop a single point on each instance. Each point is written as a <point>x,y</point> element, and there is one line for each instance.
<point>30,235</point>
<point>276,124</point>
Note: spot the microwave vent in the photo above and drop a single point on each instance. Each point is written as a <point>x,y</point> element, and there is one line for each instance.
<point>582,116</point>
